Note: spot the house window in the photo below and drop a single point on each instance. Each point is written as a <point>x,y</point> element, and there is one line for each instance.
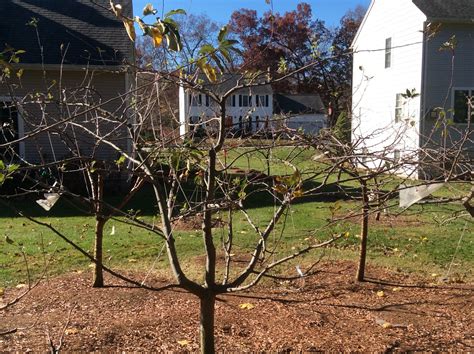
<point>245,101</point>
<point>8,129</point>
<point>240,123</point>
<point>398,107</point>
<point>249,124</point>
<point>233,101</point>
<point>195,100</point>
<point>461,105</point>
<point>257,122</point>
<point>396,155</point>
<point>193,123</point>
<point>388,52</point>
<point>261,100</point>
<point>207,101</point>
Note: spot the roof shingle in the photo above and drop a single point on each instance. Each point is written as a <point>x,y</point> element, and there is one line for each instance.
<point>455,10</point>
<point>76,32</point>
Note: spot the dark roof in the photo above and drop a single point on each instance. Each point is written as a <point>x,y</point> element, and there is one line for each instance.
<point>88,33</point>
<point>455,10</point>
<point>298,104</point>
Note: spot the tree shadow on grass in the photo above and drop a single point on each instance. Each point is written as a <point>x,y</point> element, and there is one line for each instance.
<point>144,202</point>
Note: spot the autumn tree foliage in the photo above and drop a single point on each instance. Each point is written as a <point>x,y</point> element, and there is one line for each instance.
<point>293,37</point>
<point>296,41</point>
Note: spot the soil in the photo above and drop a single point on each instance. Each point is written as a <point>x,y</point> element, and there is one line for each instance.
<point>328,311</point>
<point>194,223</point>
<point>387,220</point>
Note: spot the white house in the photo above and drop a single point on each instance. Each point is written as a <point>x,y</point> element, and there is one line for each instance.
<point>251,110</point>
<point>409,45</point>
<point>301,111</point>
<point>247,110</point>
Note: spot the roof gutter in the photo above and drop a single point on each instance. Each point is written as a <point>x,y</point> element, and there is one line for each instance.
<point>72,67</point>
<point>451,20</point>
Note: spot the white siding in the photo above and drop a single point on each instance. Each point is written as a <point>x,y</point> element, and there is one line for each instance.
<point>375,87</point>
<point>208,112</point>
<point>310,123</point>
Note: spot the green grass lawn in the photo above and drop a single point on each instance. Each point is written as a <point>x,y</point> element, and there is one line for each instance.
<point>414,242</point>
<point>425,239</point>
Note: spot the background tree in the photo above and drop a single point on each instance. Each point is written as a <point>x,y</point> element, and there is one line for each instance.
<point>293,39</point>
<point>281,43</point>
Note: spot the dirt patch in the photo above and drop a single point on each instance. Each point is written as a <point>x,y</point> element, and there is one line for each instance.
<point>387,220</point>
<point>193,223</point>
<point>325,312</point>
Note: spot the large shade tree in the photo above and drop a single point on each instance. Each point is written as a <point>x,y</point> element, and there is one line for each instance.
<point>297,41</point>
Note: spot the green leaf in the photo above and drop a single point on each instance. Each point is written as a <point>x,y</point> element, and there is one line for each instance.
<point>2,165</point>
<point>175,12</point>
<point>225,54</point>
<point>222,34</point>
<point>207,49</point>
<point>121,160</point>
<point>12,168</point>
<point>173,38</point>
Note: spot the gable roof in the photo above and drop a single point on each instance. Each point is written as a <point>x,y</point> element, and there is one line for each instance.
<point>447,10</point>
<point>87,32</point>
<point>298,104</point>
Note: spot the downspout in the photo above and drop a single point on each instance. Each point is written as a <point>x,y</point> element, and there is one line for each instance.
<point>423,114</point>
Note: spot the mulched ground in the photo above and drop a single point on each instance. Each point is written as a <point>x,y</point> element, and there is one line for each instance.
<point>325,312</point>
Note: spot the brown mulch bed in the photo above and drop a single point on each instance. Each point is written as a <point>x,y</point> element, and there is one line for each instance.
<point>325,312</point>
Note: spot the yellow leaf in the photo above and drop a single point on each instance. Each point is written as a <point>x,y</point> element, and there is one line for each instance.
<point>210,72</point>
<point>396,289</point>
<point>298,193</point>
<point>129,26</point>
<point>380,293</point>
<point>117,9</point>
<point>247,306</point>
<point>183,342</point>
<point>70,331</point>
<point>157,36</point>
<point>279,188</point>
<point>21,286</point>
<point>434,275</point>
<point>2,291</point>
<point>387,325</point>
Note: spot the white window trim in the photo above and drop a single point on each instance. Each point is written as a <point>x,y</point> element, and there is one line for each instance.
<point>21,125</point>
<point>399,108</point>
<point>461,88</point>
<point>388,51</point>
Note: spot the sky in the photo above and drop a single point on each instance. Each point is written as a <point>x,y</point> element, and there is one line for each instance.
<point>329,11</point>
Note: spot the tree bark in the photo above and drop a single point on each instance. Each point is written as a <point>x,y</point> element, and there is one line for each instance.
<point>98,252</point>
<point>100,221</point>
<point>363,234</point>
<point>206,329</point>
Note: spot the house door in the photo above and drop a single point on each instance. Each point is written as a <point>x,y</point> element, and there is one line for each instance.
<point>8,131</point>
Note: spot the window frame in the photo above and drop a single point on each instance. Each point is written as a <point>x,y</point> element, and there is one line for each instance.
<point>453,105</point>
<point>399,103</point>
<point>20,125</point>
<point>388,52</point>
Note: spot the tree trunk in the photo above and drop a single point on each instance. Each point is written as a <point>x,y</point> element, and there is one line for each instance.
<point>363,234</point>
<point>98,252</point>
<point>100,221</point>
<point>206,328</point>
